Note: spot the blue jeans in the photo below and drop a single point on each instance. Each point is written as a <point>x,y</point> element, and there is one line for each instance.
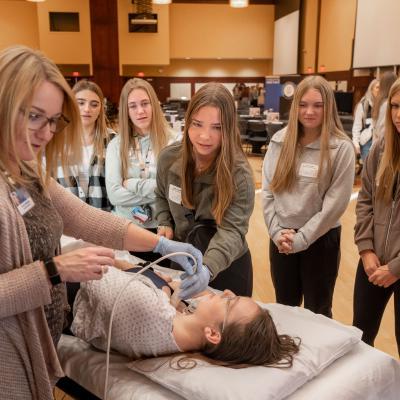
<point>364,149</point>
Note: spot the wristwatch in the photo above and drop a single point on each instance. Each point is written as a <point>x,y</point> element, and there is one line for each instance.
<point>52,271</point>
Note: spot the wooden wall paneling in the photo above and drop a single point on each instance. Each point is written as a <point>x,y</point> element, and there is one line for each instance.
<point>105,54</point>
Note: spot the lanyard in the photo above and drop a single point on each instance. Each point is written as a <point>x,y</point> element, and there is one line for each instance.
<point>143,163</point>
<point>19,195</point>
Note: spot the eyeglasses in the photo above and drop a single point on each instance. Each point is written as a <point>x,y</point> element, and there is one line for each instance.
<point>37,121</point>
<point>227,307</point>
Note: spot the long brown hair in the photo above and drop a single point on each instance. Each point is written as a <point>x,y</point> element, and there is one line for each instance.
<point>22,71</point>
<point>285,172</point>
<point>101,135</point>
<point>385,82</point>
<point>159,128</point>
<point>215,95</point>
<point>256,342</point>
<point>389,164</point>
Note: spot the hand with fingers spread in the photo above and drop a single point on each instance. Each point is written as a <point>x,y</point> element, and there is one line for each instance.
<point>84,264</point>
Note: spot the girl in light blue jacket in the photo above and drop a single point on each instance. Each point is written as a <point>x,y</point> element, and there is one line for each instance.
<point>131,156</point>
<point>308,176</point>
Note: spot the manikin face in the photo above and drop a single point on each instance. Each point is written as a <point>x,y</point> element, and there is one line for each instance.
<point>47,103</point>
<point>395,110</point>
<point>205,133</point>
<point>311,111</point>
<point>89,107</point>
<point>215,309</point>
<point>140,110</point>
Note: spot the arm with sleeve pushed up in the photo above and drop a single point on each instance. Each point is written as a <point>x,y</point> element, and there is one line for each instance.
<point>230,237</point>
<point>99,227</point>
<point>22,288</point>
<point>335,200</point>
<point>268,200</point>
<point>138,192</point>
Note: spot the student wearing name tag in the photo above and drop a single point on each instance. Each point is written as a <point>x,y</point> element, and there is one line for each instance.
<point>87,180</point>
<point>205,192</point>
<point>377,229</point>
<point>42,123</point>
<point>308,175</point>
<point>132,155</point>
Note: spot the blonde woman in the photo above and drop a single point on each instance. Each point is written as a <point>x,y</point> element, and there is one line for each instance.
<point>42,122</point>
<point>132,156</point>
<point>205,192</point>
<point>377,228</point>
<point>362,126</point>
<point>87,179</point>
<point>308,175</point>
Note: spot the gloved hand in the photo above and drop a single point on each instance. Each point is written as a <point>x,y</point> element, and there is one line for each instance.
<point>166,246</point>
<point>193,284</point>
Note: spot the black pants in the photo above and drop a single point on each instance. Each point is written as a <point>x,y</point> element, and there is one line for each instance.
<point>369,305</point>
<point>310,273</point>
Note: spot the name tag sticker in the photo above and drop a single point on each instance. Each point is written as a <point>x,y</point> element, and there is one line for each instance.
<point>23,200</point>
<point>308,170</point>
<point>175,194</point>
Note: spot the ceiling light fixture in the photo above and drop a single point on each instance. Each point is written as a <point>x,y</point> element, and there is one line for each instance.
<point>238,3</point>
<point>161,1</point>
<point>36,1</point>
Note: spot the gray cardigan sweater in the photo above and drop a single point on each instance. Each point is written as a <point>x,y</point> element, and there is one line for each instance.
<point>28,360</point>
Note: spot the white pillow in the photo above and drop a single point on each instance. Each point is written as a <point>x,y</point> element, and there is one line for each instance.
<point>323,341</point>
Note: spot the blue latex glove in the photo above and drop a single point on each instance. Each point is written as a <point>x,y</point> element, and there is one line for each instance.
<point>193,284</point>
<point>166,246</point>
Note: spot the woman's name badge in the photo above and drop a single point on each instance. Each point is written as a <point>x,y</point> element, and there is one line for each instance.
<point>23,200</point>
<point>175,194</point>
<point>308,170</point>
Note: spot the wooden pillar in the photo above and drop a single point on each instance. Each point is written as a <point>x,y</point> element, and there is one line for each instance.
<point>105,53</point>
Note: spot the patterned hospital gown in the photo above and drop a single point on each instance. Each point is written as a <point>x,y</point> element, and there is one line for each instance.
<point>143,319</point>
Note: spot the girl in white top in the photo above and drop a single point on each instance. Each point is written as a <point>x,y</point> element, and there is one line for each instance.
<point>362,126</point>
<point>131,156</point>
<point>308,176</point>
<point>87,179</point>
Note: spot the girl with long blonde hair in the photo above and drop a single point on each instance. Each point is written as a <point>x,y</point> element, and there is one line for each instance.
<point>87,179</point>
<point>377,227</point>
<point>34,212</point>
<point>132,155</point>
<point>308,176</point>
<point>205,184</point>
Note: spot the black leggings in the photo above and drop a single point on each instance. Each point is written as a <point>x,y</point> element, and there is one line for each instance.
<point>369,305</point>
<point>310,273</point>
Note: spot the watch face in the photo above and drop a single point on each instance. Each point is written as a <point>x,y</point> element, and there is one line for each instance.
<point>288,89</point>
